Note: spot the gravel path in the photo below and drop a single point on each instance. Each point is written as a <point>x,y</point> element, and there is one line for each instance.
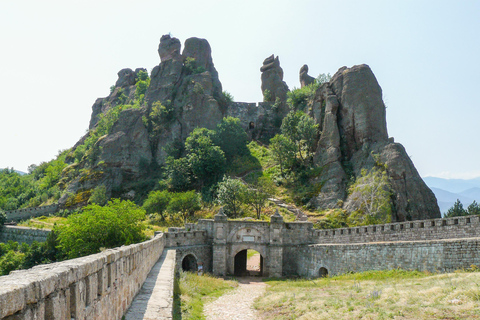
<point>237,304</point>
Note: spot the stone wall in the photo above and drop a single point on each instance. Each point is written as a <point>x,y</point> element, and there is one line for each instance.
<point>99,286</point>
<point>23,234</point>
<point>429,255</point>
<point>27,213</point>
<point>201,253</point>
<point>447,228</point>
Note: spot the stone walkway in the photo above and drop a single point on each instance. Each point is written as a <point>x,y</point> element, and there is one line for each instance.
<point>155,299</point>
<point>237,304</point>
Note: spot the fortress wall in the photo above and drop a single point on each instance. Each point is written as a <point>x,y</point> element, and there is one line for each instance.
<point>23,234</point>
<point>99,286</point>
<point>27,213</point>
<point>429,255</point>
<point>202,253</point>
<point>296,233</point>
<point>447,228</point>
<point>185,238</point>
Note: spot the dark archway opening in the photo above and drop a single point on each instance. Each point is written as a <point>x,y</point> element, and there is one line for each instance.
<point>189,263</point>
<point>248,263</point>
<point>323,272</point>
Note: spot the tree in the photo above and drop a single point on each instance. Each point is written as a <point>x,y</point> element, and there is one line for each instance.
<point>231,194</point>
<point>283,151</point>
<point>473,208</point>
<point>115,224</point>
<point>370,195</point>
<point>457,210</point>
<point>203,165</point>
<point>301,129</point>
<point>185,203</point>
<point>257,195</point>
<point>322,78</point>
<point>157,202</point>
<point>231,138</point>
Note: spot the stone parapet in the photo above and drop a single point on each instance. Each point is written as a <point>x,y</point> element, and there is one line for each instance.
<point>99,286</point>
<point>23,234</point>
<point>446,228</point>
<point>186,238</point>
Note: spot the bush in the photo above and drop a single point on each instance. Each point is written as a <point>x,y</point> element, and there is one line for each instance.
<point>114,225</point>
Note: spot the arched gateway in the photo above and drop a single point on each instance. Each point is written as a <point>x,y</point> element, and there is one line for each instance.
<point>221,245</point>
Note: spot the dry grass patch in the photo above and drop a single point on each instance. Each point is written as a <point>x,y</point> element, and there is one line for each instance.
<point>395,294</point>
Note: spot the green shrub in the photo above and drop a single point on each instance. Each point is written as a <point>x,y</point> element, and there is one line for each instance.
<point>114,225</point>
<point>191,67</point>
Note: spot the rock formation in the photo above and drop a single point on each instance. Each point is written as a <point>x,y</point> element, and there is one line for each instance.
<point>351,115</point>
<point>274,89</point>
<point>305,79</point>
<point>349,110</point>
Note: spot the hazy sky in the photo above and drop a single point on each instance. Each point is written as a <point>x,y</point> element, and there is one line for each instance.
<point>57,57</point>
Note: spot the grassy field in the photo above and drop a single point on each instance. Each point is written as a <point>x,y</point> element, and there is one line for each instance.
<point>392,294</point>
<point>192,292</point>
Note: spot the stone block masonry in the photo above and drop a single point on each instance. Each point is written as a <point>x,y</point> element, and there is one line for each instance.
<point>23,234</point>
<point>99,286</point>
<point>27,213</point>
<point>429,255</point>
<point>446,228</point>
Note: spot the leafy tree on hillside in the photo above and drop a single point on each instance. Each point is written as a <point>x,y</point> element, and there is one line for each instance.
<point>301,129</point>
<point>283,150</point>
<point>157,202</point>
<point>203,165</point>
<point>257,194</point>
<point>370,194</point>
<point>231,138</point>
<point>3,218</point>
<point>231,194</point>
<point>184,203</point>
<point>113,225</point>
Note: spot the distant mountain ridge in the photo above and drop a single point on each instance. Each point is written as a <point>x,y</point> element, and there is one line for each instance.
<point>19,172</point>
<point>447,191</point>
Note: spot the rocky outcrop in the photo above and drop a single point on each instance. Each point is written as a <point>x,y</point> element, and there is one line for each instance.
<point>305,79</point>
<point>274,89</point>
<point>194,95</point>
<point>126,146</point>
<point>351,115</point>
<point>349,110</point>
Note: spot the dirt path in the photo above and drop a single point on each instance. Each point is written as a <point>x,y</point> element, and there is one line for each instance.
<point>237,304</point>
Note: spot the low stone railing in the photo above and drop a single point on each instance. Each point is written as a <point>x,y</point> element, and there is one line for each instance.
<point>99,286</point>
